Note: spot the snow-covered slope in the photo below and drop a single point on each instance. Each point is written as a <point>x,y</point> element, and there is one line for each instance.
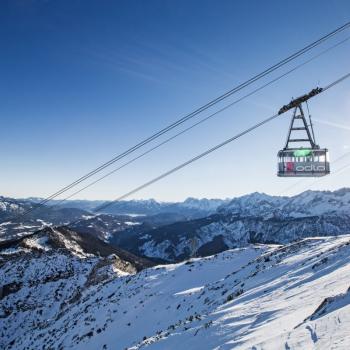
<point>258,297</point>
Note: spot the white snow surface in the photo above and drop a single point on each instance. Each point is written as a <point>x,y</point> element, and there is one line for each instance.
<point>258,297</point>
<point>132,223</point>
<point>37,243</point>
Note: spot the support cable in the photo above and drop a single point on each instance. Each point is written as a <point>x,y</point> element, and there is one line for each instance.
<point>203,120</point>
<point>311,125</point>
<point>193,114</point>
<point>177,168</point>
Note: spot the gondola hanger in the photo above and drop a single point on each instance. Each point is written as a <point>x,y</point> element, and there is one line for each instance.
<point>301,156</point>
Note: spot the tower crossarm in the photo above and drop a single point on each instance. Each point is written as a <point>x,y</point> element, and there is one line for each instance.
<point>296,102</point>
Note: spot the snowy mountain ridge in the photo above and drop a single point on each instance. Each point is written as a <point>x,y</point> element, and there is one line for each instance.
<point>257,297</point>
<point>308,203</point>
<point>140,206</point>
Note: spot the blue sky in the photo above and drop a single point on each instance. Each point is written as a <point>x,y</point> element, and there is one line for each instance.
<point>82,81</point>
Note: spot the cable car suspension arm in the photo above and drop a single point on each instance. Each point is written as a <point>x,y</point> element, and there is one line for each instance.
<point>298,101</point>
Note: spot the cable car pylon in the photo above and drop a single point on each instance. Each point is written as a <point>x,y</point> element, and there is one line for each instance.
<point>307,160</point>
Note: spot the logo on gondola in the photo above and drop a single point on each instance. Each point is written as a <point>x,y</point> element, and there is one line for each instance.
<point>310,168</point>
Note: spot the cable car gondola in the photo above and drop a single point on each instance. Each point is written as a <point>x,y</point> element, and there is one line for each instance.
<point>307,160</point>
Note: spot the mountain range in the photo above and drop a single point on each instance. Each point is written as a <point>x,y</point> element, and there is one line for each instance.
<point>190,206</point>
<point>179,231</point>
<point>254,218</point>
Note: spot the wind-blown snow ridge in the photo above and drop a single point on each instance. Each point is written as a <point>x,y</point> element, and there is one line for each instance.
<point>257,297</point>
